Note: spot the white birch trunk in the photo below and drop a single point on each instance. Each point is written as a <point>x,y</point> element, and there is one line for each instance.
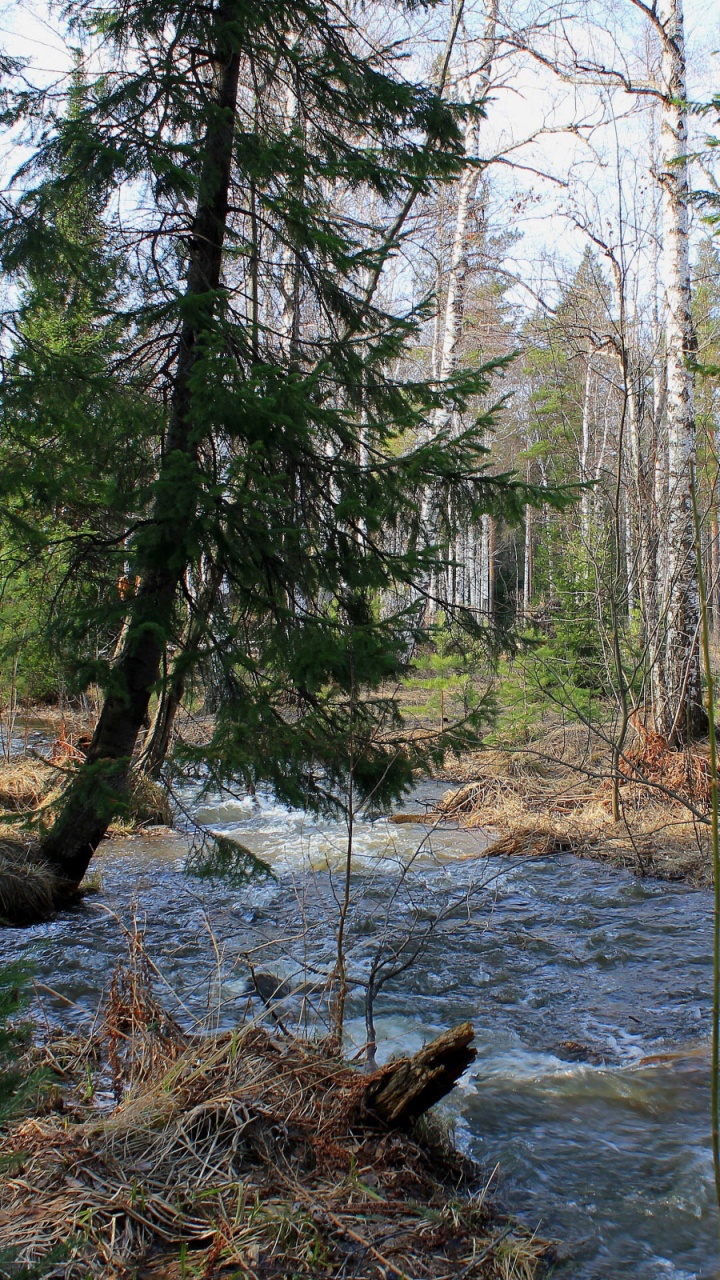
<point>678,702</point>
<point>487,566</point>
<point>290,265</point>
<point>445,353</point>
<point>476,86</point>
<point>586,500</point>
<point>528,563</point>
<point>630,574</point>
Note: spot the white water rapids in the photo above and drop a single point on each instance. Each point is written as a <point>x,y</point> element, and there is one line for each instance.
<point>572,974</point>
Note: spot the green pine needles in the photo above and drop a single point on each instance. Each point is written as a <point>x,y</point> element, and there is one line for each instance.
<point>254,465</point>
<point>17,1084</point>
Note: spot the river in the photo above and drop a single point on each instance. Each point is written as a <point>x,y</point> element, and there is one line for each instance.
<point>572,975</point>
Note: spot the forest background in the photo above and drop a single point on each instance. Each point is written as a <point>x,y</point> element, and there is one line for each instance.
<point>552,294</point>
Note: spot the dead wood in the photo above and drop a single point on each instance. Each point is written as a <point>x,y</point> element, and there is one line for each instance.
<point>409,1087</point>
<point>251,1152</point>
<point>534,843</point>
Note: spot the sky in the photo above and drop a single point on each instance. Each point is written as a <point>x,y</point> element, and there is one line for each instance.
<point>546,179</point>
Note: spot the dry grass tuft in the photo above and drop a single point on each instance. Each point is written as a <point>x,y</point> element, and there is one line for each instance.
<point>149,803</point>
<point>29,785</point>
<point>247,1153</point>
<point>28,886</point>
<point>24,784</point>
<point>565,804</point>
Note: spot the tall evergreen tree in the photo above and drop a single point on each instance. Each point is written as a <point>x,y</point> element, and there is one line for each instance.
<point>291,456</point>
<point>77,435</point>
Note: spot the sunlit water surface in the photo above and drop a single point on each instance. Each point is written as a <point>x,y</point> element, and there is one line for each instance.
<point>550,959</point>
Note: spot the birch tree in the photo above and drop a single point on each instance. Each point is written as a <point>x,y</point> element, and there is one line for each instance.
<point>587,52</point>
<point>677,700</point>
<point>466,553</point>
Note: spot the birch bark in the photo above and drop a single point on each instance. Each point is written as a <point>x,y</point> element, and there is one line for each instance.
<point>528,564</point>
<point>450,331</point>
<point>586,500</point>
<point>678,709</point>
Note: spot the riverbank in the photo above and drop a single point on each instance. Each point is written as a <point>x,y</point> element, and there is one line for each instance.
<point>550,794</point>
<point>573,976</point>
<point>554,795</point>
<point>159,1153</point>
<point>31,785</point>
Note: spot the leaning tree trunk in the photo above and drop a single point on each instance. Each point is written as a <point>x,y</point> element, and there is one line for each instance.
<point>92,797</point>
<point>678,708</point>
<point>159,736</point>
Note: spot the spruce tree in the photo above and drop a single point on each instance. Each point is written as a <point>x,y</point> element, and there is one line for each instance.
<point>258,164</point>
<point>76,439</point>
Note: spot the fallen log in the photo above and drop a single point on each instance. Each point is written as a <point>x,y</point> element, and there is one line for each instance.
<point>407,1088</point>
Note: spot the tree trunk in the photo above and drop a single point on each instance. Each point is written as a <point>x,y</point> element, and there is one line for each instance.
<point>157,743</point>
<point>630,563</point>
<point>487,581</point>
<point>528,564</point>
<point>406,1089</point>
<point>678,709</point>
<point>714,572</point>
<point>445,352</point>
<point>587,497</point>
<point>92,796</point>
<point>159,735</point>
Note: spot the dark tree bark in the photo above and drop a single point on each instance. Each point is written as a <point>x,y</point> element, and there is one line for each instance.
<point>91,799</point>
<point>157,742</point>
<point>159,736</point>
<point>406,1089</point>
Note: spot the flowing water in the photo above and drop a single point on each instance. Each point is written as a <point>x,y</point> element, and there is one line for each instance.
<point>589,992</point>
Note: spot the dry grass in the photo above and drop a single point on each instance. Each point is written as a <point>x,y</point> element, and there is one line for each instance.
<point>149,804</point>
<point>248,1154</point>
<point>555,796</point>
<point>24,784</point>
<point>28,886</point>
<point>28,786</point>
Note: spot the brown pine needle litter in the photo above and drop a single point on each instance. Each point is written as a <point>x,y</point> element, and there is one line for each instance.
<point>166,1154</point>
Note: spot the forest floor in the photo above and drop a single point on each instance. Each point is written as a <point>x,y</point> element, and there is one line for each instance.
<point>553,794</point>
<point>165,1155</point>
